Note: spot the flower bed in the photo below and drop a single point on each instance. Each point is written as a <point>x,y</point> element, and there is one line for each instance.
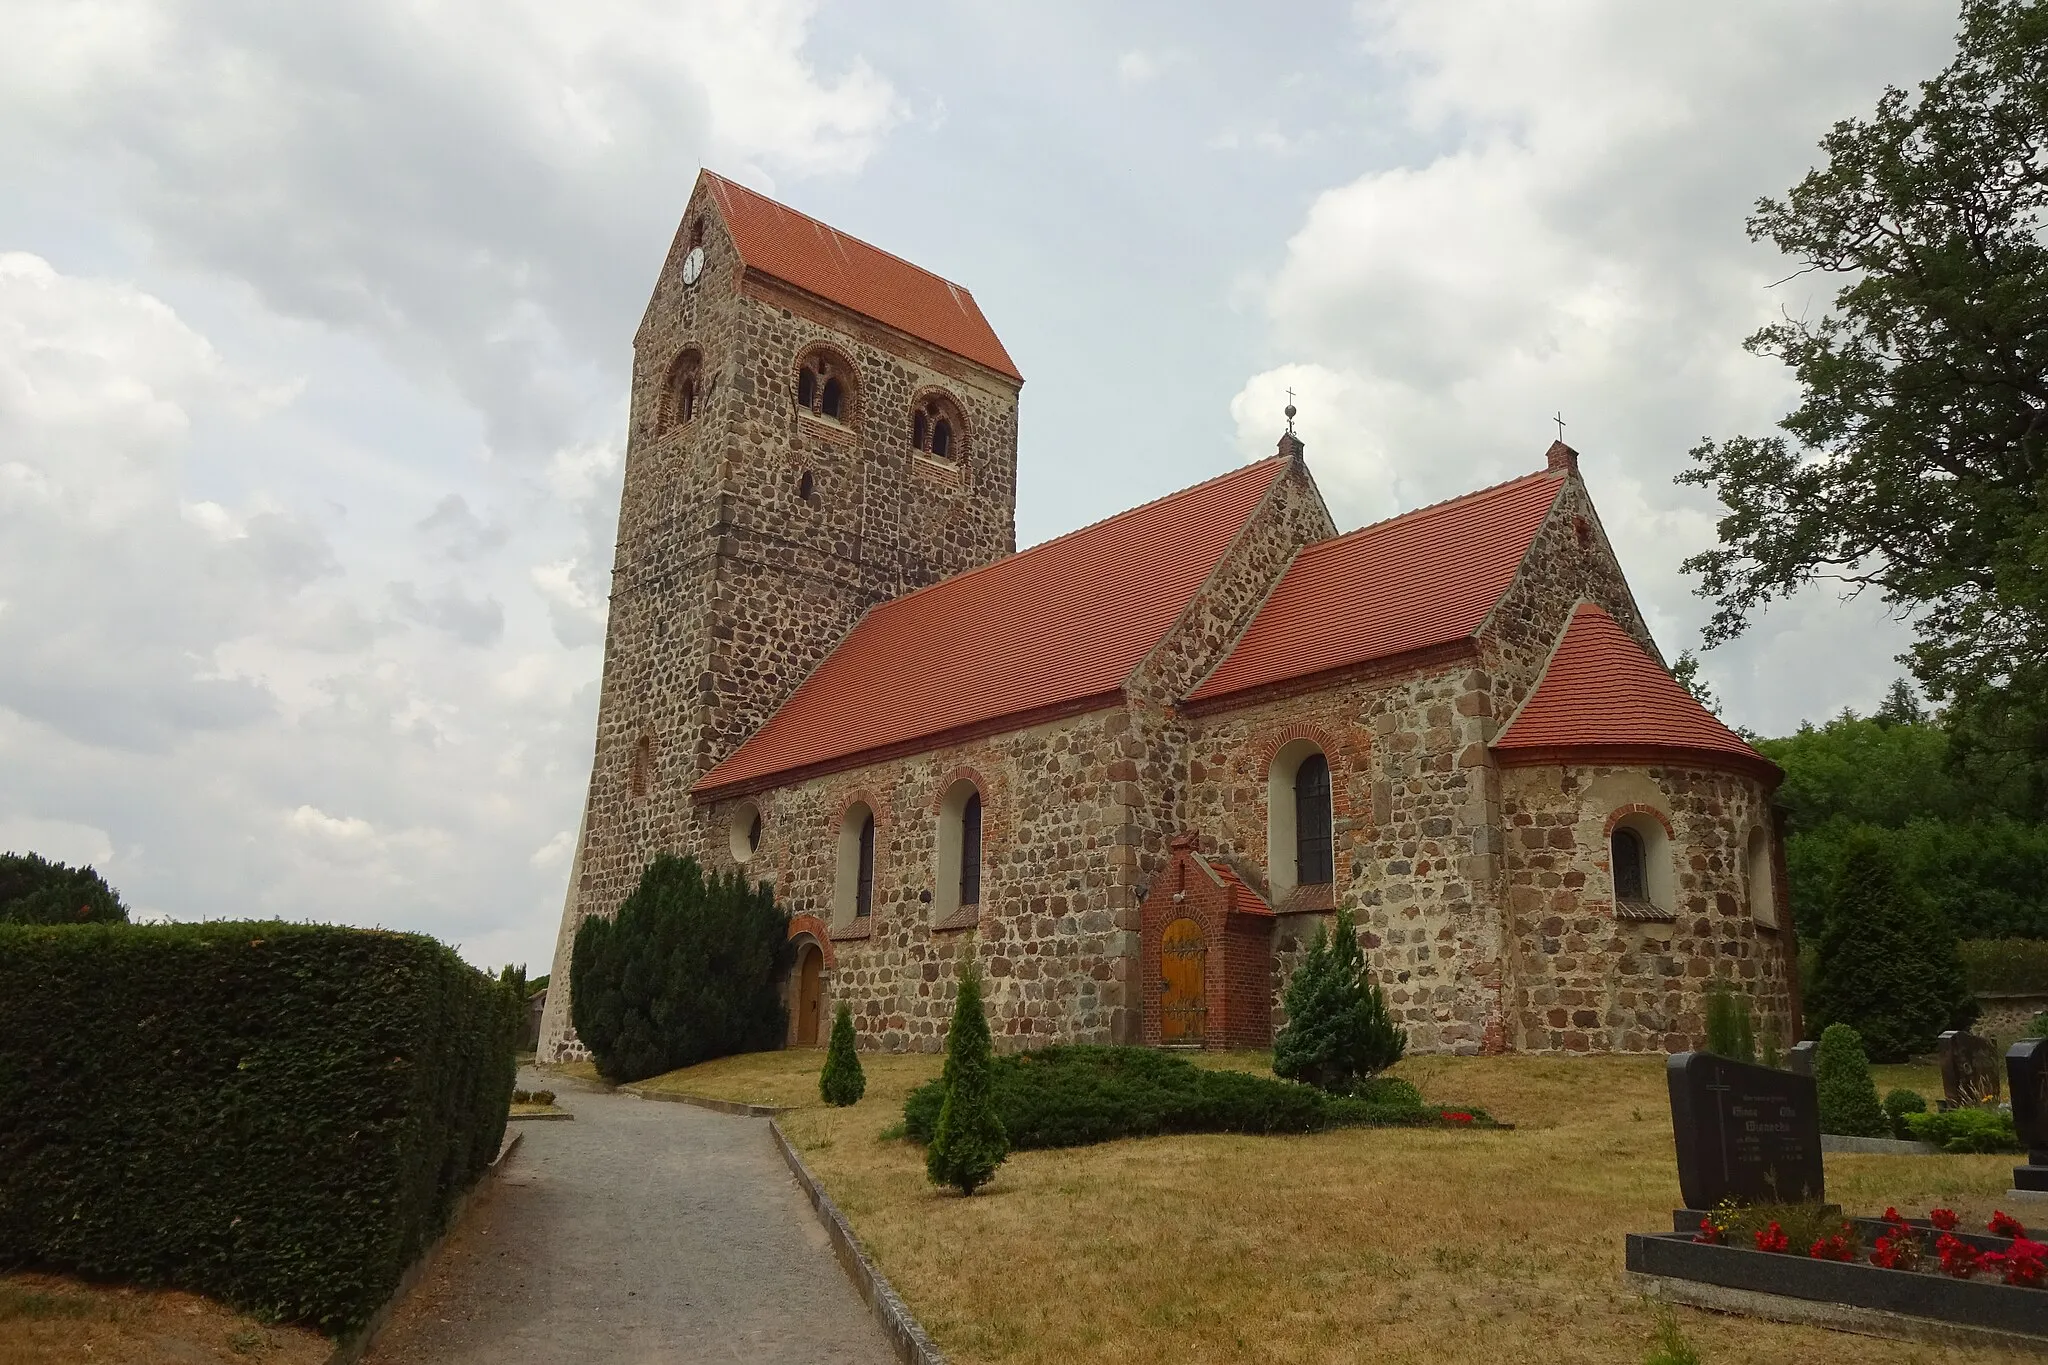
<point>1918,1268</point>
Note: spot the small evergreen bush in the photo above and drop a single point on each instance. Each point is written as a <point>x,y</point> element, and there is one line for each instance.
<point>1898,1104</point>
<point>1338,1029</point>
<point>1888,963</point>
<point>1731,1032</point>
<point>842,1082</point>
<point>1076,1094</point>
<point>1848,1097</point>
<point>34,890</point>
<point>689,969</point>
<point>1966,1130</point>
<point>968,1141</point>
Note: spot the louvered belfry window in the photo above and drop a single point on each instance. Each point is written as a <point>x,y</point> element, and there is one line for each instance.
<point>970,851</point>
<point>1313,862</point>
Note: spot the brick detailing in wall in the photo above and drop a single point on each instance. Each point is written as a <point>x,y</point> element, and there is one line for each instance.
<point>1237,934</point>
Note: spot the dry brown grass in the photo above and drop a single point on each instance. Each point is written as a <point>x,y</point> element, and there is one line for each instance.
<point>47,1319</point>
<point>1388,1245</point>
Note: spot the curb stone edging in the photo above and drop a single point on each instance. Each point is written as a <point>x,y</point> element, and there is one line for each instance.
<point>354,1347</point>
<point>743,1110</point>
<point>1841,1142</point>
<point>912,1345</point>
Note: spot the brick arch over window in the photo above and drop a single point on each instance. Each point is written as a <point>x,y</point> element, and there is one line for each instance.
<point>938,425</point>
<point>1637,852</point>
<point>857,858</point>
<point>825,384</point>
<point>1267,745</point>
<point>969,817</point>
<point>682,390</point>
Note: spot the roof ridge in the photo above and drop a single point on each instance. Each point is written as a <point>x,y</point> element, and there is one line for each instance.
<point>1438,506</point>
<point>1078,530</point>
<point>837,232</point>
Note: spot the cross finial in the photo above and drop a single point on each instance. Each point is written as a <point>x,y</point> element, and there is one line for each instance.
<point>1290,412</point>
<point>1559,419</point>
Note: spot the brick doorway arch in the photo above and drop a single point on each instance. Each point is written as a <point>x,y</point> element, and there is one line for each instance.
<point>810,993</point>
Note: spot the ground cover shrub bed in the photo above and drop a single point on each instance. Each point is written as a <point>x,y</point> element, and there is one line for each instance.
<point>1070,1096</point>
<point>280,1116</point>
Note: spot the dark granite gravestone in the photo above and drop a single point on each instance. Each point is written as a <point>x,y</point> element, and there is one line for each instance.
<point>1743,1132</point>
<point>1800,1058</point>
<point>2026,1075</point>
<point>1969,1069</point>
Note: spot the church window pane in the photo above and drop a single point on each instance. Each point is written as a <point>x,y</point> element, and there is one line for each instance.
<point>754,833</point>
<point>1626,851</point>
<point>864,889</point>
<point>804,486</point>
<point>829,401</point>
<point>917,431</point>
<point>806,387</point>
<point>970,851</point>
<point>1313,854</point>
<point>942,438</point>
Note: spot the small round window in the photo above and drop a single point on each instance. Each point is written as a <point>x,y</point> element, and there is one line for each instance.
<point>744,831</point>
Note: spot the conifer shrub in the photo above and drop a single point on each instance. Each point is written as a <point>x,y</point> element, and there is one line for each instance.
<point>34,890</point>
<point>1898,1104</point>
<point>1338,1030</point>
<point>842,1082</point>
<point>1848,1097</point>
<point>1076,1094</point>
<point>278,1115</point>
<point>690,969</point>
<point>967,1142</point>
<point>1887,963</point>
<point>1731,1031</point>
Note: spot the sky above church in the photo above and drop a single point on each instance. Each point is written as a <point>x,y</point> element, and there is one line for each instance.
<point>316,319</point>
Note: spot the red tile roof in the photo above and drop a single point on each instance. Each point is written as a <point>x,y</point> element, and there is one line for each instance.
<point>1425,578</point>
<point>797,249</point>
<point>1602,694</point>
<point>1242,899</point>
<point>1061,625</point>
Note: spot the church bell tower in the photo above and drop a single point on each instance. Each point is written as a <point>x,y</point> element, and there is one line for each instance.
<point>816,426</point>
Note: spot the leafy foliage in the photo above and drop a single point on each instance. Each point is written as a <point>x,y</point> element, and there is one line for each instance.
<point>842,1082</point>
<point>1915,460</point>
<point>1074,1095</point>
<point>1731,1031</point>
<point>1898,1104</point>
<point>1848,1097</point>
<point>689,970</point>
<point>34,890</point>
<point>2008,966</point>
<point>1338,1029</point>
<point>968,1140</point>
<point>1887,965</point>
<point>278,1115</point>
<point>1966,1130</point>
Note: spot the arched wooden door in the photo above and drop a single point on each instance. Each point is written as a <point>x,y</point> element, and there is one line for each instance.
<point>1183,1002</point>
<point>809,990</point>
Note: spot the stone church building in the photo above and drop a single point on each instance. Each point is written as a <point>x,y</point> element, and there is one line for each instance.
<point>1130,770</point>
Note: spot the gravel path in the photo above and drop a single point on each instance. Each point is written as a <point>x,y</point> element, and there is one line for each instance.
<point>642,1232</point>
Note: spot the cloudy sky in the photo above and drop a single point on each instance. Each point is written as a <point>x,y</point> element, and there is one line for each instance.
<point>315,323</point>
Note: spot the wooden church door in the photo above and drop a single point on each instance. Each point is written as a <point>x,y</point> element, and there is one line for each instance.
<point>808,992</point>
<point>1183,1002</point>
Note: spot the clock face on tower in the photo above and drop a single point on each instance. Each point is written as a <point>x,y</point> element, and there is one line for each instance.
<point>693,265</point>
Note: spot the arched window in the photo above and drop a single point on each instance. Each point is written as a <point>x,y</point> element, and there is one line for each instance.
<point>1300,840</point>
<point>935,425</point>
<point>1639,863</point>
<point>680,390</point>
<point>1763,886</point>
<point>697,231</point>
<point>1312,861</point>
<point>825,385</point>
<point>853,889</point>
<point>1631,878</point>
<point>805,486</point>
<point>956,870</point>
<point>743,832</point>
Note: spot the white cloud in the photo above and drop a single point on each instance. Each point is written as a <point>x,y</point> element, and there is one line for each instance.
<point>1573,242</point>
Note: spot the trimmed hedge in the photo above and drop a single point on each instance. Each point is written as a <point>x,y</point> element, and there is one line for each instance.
<point>277,1115</point>
<point>2005,966</point>
<point>1966,1130</point>
<point>1070,1096</point>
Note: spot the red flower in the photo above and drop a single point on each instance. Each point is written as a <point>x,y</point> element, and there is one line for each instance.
<point>1835,1248</point>
<point>1891,1215</point>
<point>1771,1238</point>
<point>2003,1224</point>
<point>1945,1219</point>
<point>1958,1258</point>
<point>2025,1263</point>
<point>1899,1248</point>
<point>1710,1234</point>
